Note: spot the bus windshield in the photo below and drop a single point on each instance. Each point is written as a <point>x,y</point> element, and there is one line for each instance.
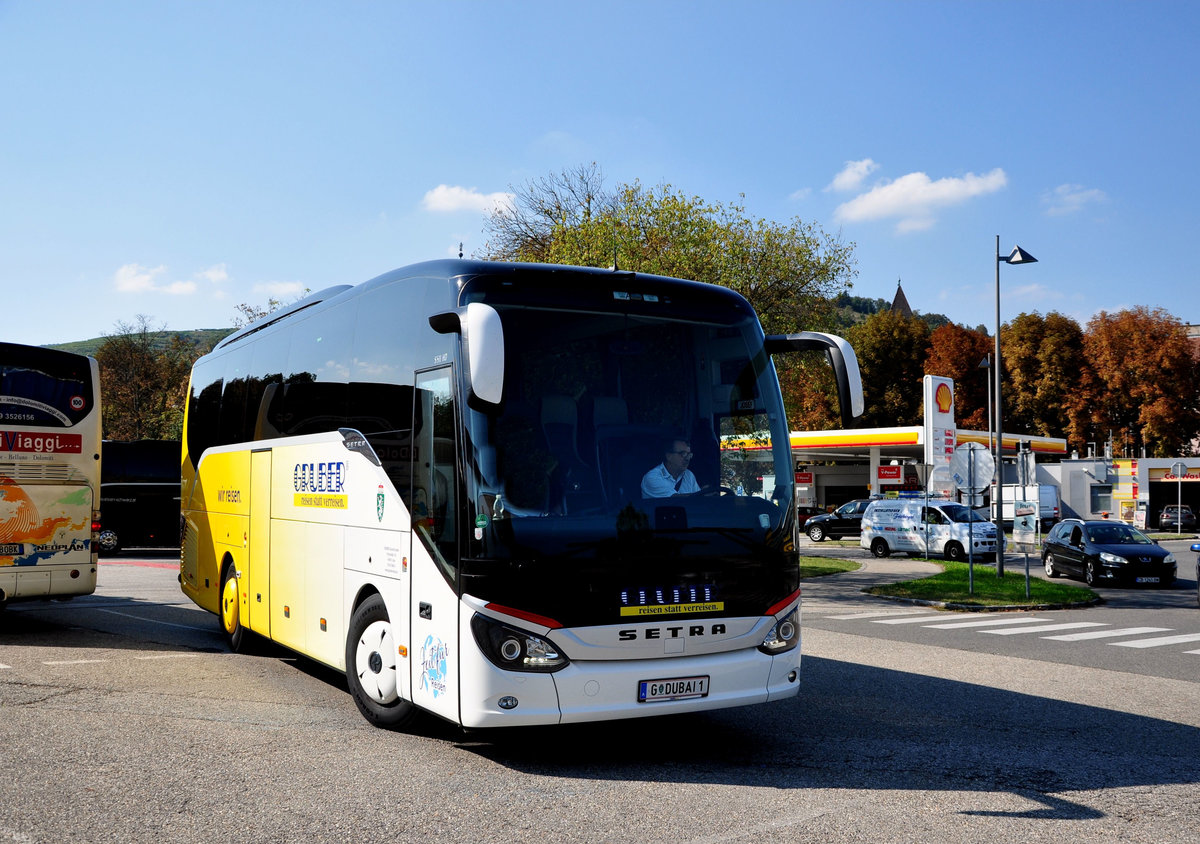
<point>593,401</point>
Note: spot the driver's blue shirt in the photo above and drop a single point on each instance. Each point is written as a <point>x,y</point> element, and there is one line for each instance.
<point>658,483</point>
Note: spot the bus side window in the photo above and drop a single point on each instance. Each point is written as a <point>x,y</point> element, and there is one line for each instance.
<point>434,500</point>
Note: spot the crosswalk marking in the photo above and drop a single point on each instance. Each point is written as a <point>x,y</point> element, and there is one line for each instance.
<point>1161,640</point>
<point>1108,634</point>
<point>987,622</point>
<point>1009,625</point>
<point>874,614</point>
<point>1045,628</point>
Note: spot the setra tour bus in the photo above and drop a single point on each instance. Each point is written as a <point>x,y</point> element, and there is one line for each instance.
<point>49,473</point>
<point>432,481</point>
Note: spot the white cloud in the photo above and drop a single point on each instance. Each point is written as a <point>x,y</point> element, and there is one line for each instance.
<point>134,278</point>
<point>216,274</point>
<point>281,289</point>
<point>912,199</point>
<point>852,175</point>
<point>798,195</point>
<point>450,198</point>
<point>1067,199</point>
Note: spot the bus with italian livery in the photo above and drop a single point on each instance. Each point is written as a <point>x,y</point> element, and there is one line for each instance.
<point>432,482</point>
<point>49,473</point>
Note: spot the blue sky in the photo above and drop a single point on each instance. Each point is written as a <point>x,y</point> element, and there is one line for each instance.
<point>174,159</point>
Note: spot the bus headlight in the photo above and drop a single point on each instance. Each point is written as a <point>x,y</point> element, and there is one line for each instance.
<point>783,635</point>
<point>514,649</point>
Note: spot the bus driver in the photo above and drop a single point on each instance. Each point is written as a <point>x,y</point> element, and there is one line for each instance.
<point>672,476</point>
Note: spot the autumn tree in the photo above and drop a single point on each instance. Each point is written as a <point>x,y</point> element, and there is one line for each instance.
<point>891,350</point>
<point>143,379</point>
<point>1043,359</point>
<point>1138,384</point>
<point>956,352</point>
<point>790,272</point>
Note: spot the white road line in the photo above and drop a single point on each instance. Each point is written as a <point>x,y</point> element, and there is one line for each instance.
<point>987,622</point>
<point>169,656</point>
<point>1045,628</point>
<point>910,619</point>
<point>1106,634</point>
<point>1159,642</point>
<point>1192,652</point>
<point>164,623</point>
<point>72,661</point>
<point>875,614</point>
<point>3,666</point>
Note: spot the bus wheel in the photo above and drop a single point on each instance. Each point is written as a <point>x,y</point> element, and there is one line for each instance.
<point>231,621</point>
<point>880,548</point>
<point>371,671</point>
<point>954,552</point>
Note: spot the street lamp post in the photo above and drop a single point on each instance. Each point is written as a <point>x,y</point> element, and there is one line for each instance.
<point>986,363</point>
<point>1017,256</point>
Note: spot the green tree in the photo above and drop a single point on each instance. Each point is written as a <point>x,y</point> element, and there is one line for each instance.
<point>143,381</point>
<point>1043,359</point>
<point>790,272</point>
<point>956,352</point>
<point>1138,385</point>
<point>891,350</point>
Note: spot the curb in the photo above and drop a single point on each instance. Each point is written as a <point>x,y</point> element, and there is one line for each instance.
<point>947,605</point>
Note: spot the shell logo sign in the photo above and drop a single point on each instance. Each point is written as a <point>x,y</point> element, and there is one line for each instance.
<point>944,398</point>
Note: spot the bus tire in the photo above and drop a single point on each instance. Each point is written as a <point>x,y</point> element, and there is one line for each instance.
<point>879,547</point>
<point>955,552</point>
<point>230,609</point>
<point>372,672</point>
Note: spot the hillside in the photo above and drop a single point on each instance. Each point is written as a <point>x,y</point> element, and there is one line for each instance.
<point>202,339</point>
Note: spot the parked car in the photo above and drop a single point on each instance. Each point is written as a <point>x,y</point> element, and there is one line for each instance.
<point>804,513</point>
<point>1176,517</point>
<point>1104,551</point>
<point>844,521</point>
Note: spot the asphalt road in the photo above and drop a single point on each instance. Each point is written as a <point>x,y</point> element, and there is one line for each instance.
<point>124,719</point>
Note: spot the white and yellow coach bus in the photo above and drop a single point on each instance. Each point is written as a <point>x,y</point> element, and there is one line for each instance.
<point>432,481</point>
<point>49,473</point>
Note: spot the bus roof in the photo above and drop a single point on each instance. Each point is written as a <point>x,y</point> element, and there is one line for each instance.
<point>457,272</point>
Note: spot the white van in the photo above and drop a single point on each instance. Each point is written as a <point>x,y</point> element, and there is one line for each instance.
<point>910,525</point>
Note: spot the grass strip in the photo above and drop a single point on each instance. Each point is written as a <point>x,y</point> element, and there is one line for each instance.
<point>952,587</point>
<point>817,566</point>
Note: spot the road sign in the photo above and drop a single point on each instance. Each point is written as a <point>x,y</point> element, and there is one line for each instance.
<point>972,467</point>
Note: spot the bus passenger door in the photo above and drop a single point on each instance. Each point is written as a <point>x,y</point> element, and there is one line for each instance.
<point>434,505</point>
<point>256,568</point>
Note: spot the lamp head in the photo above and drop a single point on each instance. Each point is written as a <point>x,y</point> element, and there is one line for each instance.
<point>1019,256</point>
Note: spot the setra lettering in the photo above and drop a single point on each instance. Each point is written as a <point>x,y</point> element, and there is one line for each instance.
<point>633,634</point>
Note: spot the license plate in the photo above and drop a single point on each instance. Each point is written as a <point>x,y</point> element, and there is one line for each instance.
<point>1147,580</point>
<point>675,688</point>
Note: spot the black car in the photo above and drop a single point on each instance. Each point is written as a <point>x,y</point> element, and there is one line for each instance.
<point>1196,548</point>
<point>1105,551</point>
<point>844,521</point>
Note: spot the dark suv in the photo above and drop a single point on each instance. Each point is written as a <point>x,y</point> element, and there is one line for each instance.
<point>844,521</point>
<point>1175,517</point>
<point>1105,551</point>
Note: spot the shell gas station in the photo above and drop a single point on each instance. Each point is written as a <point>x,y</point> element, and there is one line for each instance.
<point>833,467</point>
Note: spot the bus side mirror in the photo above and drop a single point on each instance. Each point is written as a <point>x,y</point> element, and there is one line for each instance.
<point>841,358</point>
<point>483,344</point>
